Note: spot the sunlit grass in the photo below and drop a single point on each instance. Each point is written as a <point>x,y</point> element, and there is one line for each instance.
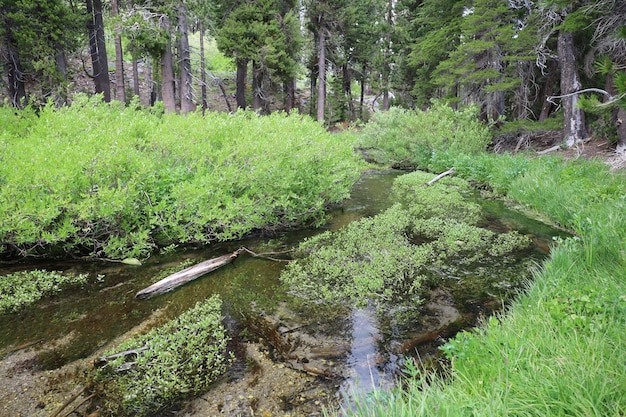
<point>559,348</point>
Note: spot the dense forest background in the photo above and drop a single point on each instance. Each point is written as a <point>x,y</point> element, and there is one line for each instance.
<point>337,60</point>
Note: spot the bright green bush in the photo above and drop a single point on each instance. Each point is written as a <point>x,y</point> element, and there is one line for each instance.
<point>175,361</point>
<point>559,348</point>
<point>112,181</point>
<point>21,289</point>
<point>406,138</point>
<point>429,233</point>
<point>369,258</point>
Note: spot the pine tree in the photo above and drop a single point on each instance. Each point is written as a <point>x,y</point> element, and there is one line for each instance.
<point>482,66</point>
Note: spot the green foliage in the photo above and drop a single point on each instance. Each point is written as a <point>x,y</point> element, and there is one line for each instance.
<point>448,197</point>
<point>388,257</point>
<point>372,257</point>
<point>407,138</point>
<point>172,362</point>
<point>558,349</point>
<point>116,182</point>
<point>21,289</point>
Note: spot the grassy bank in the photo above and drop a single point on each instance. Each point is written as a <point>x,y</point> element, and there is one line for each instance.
<point>559,348</point>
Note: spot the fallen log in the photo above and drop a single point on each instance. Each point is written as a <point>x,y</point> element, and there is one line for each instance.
<point>188,274</point>
<point>552,149</point>
<point>440,176</point>
<point>447,331</point>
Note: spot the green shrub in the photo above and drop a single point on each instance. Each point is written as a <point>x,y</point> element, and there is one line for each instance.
<point>369,258</point>
<point>175,361</point>
<point>405,138</point>
<point>428,234</point>
<point>447,197</point>
<point>21,289</point>
<point>112,181</point>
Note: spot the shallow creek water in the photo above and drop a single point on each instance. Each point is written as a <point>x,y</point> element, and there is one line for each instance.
<point>293,357</point>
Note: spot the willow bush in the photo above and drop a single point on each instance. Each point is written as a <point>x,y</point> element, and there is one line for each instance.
<point>20,289</point>
<point>169,363</point>
<point>111,181</point>
<point>431,232</point>
<point>412,139</point>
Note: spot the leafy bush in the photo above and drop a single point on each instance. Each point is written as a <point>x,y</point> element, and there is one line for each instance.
<point>389,256</point>
<point>372,257</point>
<point>21,289</point>
<point>113,181</point>
<point>405,138</point>
<point>175,361</point>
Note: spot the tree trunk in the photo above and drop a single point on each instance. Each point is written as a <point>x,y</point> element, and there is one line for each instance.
<point>257,100</point>
<point>313,86</point>
<point>15,75</point>
<point>186,87</point>
<point>205,104</point>
<point>321,84</point>
<point>573,117</point>
<point>93,46</point>
<point>621,131</point>
<point>120,91</point>
<point>99,55</point>
<point>289,91</point>
<point>242,73</point>
<point>362,97</point>
<point>60,95</point>
<point>136,78</point>
<point>546,91</point>
<point>188,274</point>
<point>347,88</point>
<point>167,80</point>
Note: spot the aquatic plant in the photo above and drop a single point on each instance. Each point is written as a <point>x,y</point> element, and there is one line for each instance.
<point>21,289</point>
<point>558,349</point>
<point>428,235</point>
<point>169,363</point>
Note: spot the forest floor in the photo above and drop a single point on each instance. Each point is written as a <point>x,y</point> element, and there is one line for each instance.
<point>547,143</point>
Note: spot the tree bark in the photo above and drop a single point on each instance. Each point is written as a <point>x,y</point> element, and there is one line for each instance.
<point>546,91</point>
<point>573,117</point>
<point>186,87</point>
<point>136,77</point>
<point>15,74</point>
<point>347,89</point>
<point>288,92</point>
<point>120,90</point>
<point>621,131</point>
<point>257,101</point>
<point>321,84</point>
<point>167,80</point>
<point>98,49</point>
<point>203,92</point>
<point>242,73</point>
<point>362,96</point>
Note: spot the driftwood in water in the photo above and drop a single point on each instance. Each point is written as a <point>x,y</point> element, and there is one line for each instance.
<point>444,332</point>
<point>20,347</point>
<point>440,176</point>
<point>187,274</point>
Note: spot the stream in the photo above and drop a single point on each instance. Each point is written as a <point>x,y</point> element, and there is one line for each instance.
<point>292,357</point>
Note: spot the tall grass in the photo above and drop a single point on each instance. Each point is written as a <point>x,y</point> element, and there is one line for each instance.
<point>559,348</point>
